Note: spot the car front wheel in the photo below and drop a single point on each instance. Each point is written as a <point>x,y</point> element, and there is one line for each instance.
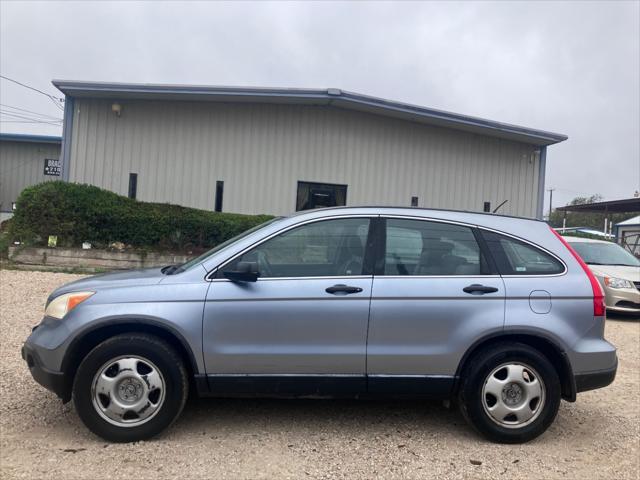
<point>510,393</point>
<point>130,387</point>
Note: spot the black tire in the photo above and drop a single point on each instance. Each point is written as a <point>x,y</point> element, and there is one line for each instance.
<point>476,373</point>
<point>167,361</point>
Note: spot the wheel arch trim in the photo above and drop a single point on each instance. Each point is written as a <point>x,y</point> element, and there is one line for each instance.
<point>124,324</point>
<point>565,371</point>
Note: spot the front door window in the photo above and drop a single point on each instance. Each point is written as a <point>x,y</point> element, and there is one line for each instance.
<point>329,248</point>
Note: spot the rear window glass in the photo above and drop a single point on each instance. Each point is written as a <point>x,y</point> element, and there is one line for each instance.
<point>514,257</point>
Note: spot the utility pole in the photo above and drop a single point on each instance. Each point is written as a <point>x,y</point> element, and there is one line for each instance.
<point>550,201</point>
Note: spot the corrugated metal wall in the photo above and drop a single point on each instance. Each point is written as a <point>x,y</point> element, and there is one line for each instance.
<point>260,151</point>
<point>21,165</point>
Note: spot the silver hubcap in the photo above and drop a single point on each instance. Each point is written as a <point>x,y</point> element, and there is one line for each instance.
<point>128,391</point>
<point>513,395</point>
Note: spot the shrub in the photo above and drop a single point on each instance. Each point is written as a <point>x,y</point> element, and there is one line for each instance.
<point>4,238</point>
<point>4,245</point>
<point>84,213</point>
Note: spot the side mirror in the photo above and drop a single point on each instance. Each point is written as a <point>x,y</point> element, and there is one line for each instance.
<point>244,272</point>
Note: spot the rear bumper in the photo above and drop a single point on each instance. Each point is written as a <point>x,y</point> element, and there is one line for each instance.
<point>597,379</point>
<point>51,380</point>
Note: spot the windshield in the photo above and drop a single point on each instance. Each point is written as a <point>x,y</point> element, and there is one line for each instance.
<point>604,254</point>
<point>217,248</point>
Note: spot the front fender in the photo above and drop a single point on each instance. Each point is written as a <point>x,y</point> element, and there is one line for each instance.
<point>177,308</point>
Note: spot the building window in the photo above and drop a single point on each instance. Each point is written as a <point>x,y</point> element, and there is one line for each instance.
<point>487,206</point>
<point>317,195</point>
<point>219,194</point>
<point>414,201</point>
<point>133,185</point>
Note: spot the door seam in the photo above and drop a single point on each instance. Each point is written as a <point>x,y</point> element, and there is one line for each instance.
<point>366,346</point>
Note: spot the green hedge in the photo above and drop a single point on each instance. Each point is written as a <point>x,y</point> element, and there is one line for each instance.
<point>84,213</point>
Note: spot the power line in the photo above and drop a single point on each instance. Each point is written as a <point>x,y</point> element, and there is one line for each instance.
<point>32,88</point>
<point>24,116</point>
<point>44,115</point>
<point>56,100</point>
<point>31,121</point>
<point>8,116</point>
<point>28,115</point>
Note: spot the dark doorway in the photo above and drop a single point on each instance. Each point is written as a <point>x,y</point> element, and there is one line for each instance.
<point>133,185</point>
<point>219,195</point>
<point>317,195</point>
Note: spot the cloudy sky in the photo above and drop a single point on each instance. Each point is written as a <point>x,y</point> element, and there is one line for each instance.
<point>567,67</point>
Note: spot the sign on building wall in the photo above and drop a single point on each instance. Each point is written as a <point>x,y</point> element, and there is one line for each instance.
<point>53,167</point>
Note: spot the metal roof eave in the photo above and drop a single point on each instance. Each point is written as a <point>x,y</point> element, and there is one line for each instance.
<point>21,137</point>
<point>331,96</point>
<point>451,120</point>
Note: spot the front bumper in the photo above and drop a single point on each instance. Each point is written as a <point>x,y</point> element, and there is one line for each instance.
<point>54,381</point>
<point>622,307</point>
<point>623,300</point>
<point>596,379</point>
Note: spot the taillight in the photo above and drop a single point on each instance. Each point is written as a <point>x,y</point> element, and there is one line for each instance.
<point>598,296</point>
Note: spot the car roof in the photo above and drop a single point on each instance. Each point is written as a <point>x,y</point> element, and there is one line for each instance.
<point>411,211</point>
<point>583,240</point>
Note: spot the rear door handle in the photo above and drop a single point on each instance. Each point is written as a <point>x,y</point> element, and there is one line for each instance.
<point>477,289</point>
<point>346,289</point>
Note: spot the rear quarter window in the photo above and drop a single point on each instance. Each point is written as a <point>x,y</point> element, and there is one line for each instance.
<point>514,257</point>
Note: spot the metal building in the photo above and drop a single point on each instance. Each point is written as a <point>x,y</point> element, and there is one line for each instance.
<point>627,234</point>
<point>26,160</point>
<point>262,150</point>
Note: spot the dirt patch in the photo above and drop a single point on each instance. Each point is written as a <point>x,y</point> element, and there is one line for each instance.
<point>596,437</point>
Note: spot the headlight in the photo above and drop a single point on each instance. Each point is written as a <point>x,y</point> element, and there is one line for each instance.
<point>63,304</point>
<point>617,283</point>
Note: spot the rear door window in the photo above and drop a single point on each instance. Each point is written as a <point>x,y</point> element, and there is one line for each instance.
<point>514,257</point>
<point>419,247</point>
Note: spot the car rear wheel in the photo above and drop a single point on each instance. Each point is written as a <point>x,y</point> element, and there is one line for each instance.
<point>510,393</point>
<point>130,387</point>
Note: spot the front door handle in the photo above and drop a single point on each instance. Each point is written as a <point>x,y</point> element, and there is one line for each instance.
<point>477,289</point>
<point>346,289</point>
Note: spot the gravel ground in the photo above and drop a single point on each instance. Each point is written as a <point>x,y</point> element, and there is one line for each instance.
<point>597,437</point>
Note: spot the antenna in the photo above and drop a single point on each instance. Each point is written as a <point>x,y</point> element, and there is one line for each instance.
<point>498,207</point>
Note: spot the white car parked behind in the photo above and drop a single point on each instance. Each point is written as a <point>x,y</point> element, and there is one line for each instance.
<point>617,270</point>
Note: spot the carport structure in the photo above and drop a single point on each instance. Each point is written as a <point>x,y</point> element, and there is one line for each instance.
<point>627,205</point>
